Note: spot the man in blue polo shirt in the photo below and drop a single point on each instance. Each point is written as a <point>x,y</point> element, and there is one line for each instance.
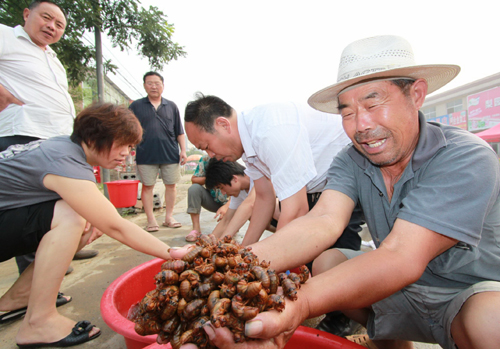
<point>159,150</point>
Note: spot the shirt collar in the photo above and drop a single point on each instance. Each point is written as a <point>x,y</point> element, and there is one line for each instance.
<point>431,139</point>
<point>163,100</point>
<point>20,32</point>
<point>245,138</point>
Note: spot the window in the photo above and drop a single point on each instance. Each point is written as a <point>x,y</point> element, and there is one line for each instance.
<point>454,106</point>
<point>429,112</point>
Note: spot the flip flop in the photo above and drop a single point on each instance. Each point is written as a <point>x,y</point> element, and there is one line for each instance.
<point>79,334</point>
<point>15,314</point>
<point>193,236</point>
<point>172,224</point>
<point>151,228</point>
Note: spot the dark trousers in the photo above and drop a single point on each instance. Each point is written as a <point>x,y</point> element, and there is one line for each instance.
<point>7,141</point>
<point>22,261</point>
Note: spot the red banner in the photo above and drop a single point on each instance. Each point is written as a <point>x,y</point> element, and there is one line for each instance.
<point>458,119</point>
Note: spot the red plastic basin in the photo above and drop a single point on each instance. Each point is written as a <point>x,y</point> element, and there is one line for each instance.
<point>303,338</point>
<point>125,291</point>
<point>135,283</point>
<point>123,193</point>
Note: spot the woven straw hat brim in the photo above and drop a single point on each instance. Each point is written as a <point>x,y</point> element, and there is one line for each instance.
<point>436,76</point>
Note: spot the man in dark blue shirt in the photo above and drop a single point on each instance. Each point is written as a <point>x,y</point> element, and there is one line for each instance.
<point>159,150</point>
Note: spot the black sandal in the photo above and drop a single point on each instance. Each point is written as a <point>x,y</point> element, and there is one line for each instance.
<point>79,334</point>
<point>15,314</point>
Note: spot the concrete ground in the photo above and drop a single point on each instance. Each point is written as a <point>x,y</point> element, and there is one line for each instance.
<point>90,278</point>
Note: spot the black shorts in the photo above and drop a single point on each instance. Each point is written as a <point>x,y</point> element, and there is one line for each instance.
<point>22,229</point>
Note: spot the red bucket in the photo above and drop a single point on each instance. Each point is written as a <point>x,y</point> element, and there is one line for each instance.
<point>131,287</point>
<point>303,337</point>
<point>123,193</point>
<point>125,291</point>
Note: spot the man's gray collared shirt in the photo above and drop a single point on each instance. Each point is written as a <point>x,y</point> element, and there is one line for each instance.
<point>451,186</point>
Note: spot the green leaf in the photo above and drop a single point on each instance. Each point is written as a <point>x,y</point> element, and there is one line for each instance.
<point>127,24</point>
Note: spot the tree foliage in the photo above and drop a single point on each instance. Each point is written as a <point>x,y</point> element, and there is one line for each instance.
<point>125,22</point>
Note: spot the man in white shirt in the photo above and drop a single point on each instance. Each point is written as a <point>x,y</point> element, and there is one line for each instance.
<point>34,99</point>
<point>230,178</point>
<point>286,147</point>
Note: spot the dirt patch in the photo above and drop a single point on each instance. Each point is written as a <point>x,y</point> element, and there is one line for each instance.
<point>182,187</point>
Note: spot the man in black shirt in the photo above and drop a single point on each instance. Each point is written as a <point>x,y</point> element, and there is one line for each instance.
<point>159,150</point>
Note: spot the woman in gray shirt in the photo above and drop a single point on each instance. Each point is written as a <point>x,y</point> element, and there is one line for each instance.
<point>49,203</point>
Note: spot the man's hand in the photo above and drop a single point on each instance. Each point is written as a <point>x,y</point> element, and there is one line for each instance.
<point>221,212</point>
<point>183,157</point>
<point>7,98</point>
<point>270,329</point>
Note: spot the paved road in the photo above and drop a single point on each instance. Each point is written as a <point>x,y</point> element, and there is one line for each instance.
<point>91,277</point>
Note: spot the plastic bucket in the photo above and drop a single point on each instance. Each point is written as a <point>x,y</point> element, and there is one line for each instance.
<point>131,287</point>
<point>125,291</point>
<point>123,193</point>
<point>307,337</point>
<point>304,337</point>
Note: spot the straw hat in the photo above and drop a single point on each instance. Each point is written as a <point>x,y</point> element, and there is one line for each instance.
<point>379,58</point>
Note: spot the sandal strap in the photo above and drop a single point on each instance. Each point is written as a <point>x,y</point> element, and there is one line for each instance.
<point>82,327</point>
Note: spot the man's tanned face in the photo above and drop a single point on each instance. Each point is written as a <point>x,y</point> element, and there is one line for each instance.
<point>45,24</point>
<point>153,86</point>
<point>381,122</point>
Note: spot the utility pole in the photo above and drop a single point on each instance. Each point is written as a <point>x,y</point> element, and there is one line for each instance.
<point>100,93</point>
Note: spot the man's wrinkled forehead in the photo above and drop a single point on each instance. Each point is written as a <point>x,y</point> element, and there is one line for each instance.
<point>196,135</point>
<point>362,83</point>
<point>52,10</point>
<point>36,4</point>
<point>370,93</point>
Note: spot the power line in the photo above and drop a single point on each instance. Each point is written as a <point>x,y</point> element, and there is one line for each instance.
<point>118,71</point>
<point>124,68</point>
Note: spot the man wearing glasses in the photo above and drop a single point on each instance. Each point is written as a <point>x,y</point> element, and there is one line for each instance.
<point>159,150</point>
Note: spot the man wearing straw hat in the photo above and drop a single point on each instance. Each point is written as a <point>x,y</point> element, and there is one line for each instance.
<point>430,194</point>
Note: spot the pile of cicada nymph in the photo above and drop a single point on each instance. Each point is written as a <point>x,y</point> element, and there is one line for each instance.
<point>218,281</point>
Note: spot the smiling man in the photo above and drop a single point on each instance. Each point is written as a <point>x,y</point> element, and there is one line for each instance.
<point>34,99</point>
<point>431,197</point>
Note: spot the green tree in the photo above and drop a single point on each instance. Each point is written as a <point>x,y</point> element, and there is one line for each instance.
<point>127,24</point>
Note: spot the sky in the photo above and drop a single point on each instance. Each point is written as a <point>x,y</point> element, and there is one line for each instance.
<point>256,52</point>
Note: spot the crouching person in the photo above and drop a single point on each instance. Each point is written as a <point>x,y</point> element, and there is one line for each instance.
<point>49,203</point>
<point>229,177</point>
